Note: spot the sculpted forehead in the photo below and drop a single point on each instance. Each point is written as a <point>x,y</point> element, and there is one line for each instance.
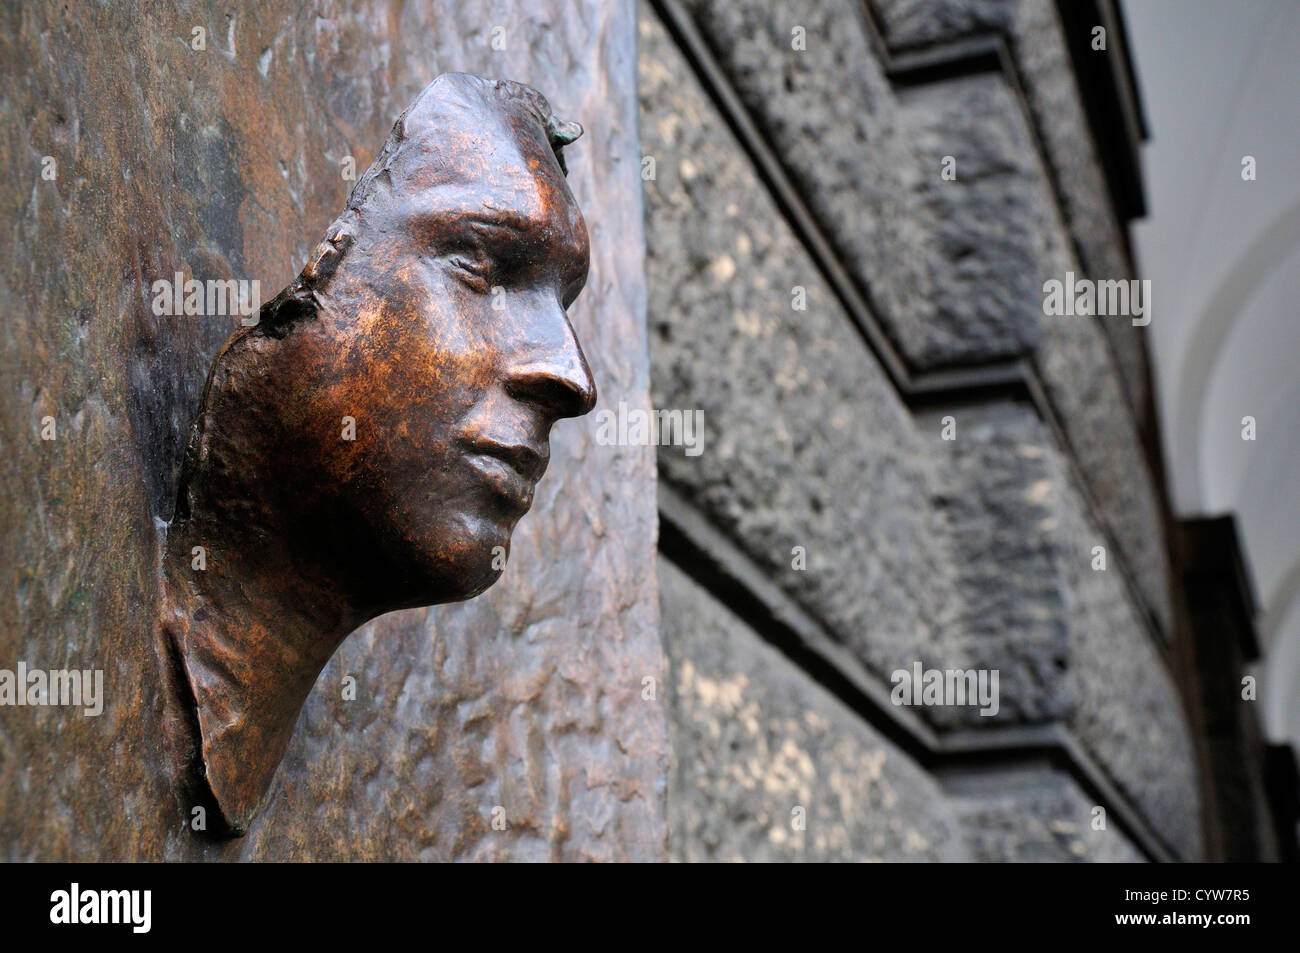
<point>468,149</point>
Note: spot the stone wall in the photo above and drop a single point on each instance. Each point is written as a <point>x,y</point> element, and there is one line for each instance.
<point>836,306</point>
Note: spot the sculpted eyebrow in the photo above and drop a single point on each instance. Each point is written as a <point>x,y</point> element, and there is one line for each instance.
<point>507,237</point>
<point>480,222</point>
<point>505,234</point>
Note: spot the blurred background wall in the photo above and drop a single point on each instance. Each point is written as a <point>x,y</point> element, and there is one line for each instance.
<point>854,210</point>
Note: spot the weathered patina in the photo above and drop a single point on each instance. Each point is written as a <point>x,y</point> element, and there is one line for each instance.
<point>371,441</point>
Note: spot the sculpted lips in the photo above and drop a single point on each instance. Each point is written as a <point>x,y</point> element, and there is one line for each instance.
<point>511,469</point>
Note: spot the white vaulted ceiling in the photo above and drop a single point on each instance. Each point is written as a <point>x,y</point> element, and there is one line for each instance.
<point>1220,81</point>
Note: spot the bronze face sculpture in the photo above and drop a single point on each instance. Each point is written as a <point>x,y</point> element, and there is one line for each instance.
<point>371,442</point>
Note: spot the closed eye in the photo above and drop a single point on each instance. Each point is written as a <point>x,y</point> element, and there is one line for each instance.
<point>473,268</point>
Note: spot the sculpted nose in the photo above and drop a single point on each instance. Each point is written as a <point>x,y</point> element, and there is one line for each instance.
<point>557,381</point>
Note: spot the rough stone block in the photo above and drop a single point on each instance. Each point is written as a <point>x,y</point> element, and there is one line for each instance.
<point>1128,714</point>
<point>1067,639</point>
<point>991,227</point>
<point>1003,488</point>
<point>754,740</point>
<point>1081,381</point>
<point>830,115</point>
<point>1035,815</point>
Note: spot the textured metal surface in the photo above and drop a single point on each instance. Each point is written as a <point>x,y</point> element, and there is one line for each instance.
<point>524,705</point>
<point>372,440</point>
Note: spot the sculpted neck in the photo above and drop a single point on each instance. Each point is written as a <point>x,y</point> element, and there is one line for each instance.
<point>251,624</point>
